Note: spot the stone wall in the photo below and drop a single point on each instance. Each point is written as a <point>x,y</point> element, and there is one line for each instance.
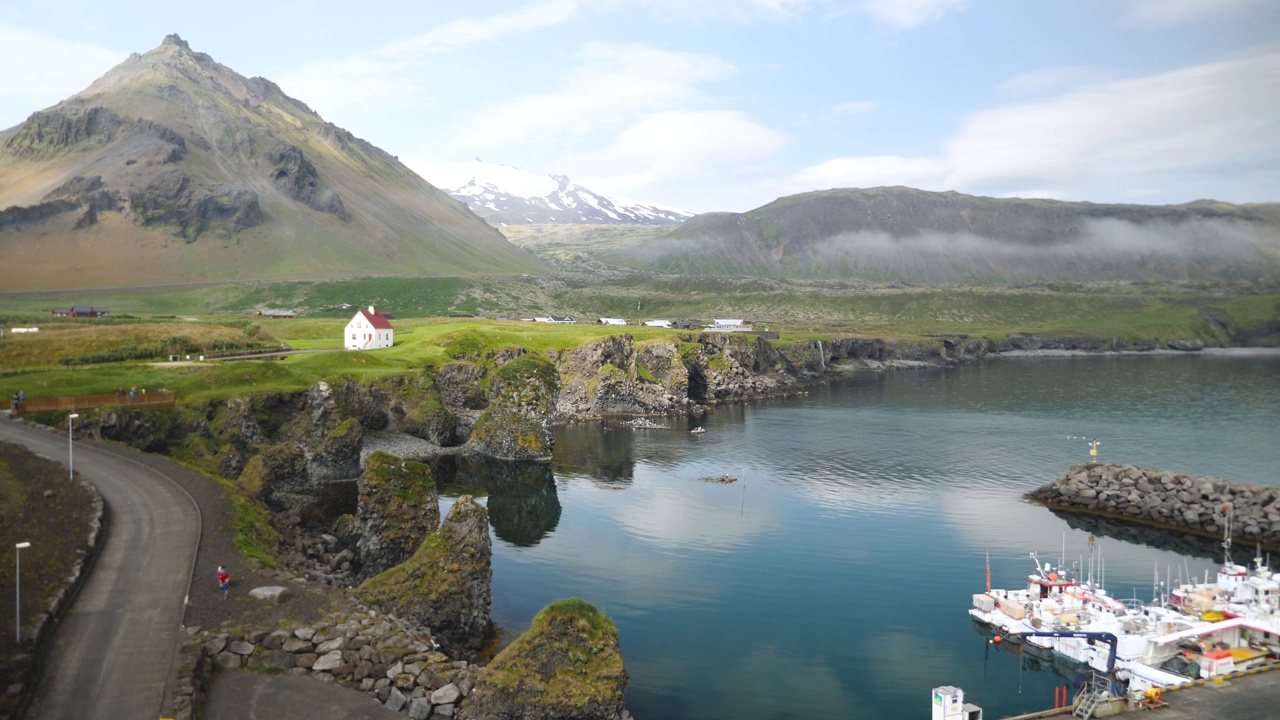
<point>387,658</point>
<point>1197,505</point>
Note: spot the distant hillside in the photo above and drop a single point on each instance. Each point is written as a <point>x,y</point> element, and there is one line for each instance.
<point>172,168</point>
<point>507,196</point>
<point>902,234</point>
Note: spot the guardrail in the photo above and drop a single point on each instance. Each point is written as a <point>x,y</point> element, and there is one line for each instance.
<point>156,400</point>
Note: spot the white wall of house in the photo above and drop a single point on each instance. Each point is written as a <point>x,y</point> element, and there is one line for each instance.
<point>360,334</point>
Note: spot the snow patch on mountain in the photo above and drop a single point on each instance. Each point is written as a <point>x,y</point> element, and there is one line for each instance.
<point>507,196</point>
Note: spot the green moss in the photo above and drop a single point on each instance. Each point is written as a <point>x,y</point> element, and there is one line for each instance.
<point>644,373</point>
<point>568,656</point>
<point>411,482</point>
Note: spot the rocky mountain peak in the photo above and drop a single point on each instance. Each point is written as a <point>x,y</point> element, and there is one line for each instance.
<point>175,40</point>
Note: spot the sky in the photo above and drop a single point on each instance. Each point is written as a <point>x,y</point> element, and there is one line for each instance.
<point>728,104</point>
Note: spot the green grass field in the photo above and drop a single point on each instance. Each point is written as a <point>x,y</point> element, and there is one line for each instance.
<point>800,311</point>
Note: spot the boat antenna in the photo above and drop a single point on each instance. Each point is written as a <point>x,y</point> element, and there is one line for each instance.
<point>1228,512</point>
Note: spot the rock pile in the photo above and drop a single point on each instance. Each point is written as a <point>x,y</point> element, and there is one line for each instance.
<point>391,660</point>
<point>1198,505</point>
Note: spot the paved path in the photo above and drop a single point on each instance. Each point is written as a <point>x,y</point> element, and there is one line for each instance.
<point>113,653</point>
<point>251,696</point>
<point>1242,698</point>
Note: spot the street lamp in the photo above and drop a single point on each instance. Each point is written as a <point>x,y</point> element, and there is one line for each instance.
<point>17,590</point>
<point>71,459</point>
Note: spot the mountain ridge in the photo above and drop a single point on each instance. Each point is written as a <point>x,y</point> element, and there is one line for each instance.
<point>508,196</point>
<point>174,168</point>
<point>905,234</point>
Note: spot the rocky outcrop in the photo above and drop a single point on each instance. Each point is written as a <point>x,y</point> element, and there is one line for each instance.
<point>1197,505</point>
<point>567,666</point>
<point>522,400</point>
<point>295,176</point>
<point>446,582</point>
<point>397,508</point>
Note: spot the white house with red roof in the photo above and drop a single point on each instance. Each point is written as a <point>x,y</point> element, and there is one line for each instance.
<point>368,330</point>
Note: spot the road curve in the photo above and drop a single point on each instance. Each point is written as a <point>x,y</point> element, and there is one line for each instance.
<point>113,654</point>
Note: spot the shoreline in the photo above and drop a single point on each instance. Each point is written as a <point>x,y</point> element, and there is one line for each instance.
<point>1163,352</point>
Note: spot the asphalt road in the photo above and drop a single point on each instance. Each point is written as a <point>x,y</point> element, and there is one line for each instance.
<point>251,696</point>
<point>113,654</point>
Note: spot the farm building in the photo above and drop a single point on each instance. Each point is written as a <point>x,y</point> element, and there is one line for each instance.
<point>85,311</point>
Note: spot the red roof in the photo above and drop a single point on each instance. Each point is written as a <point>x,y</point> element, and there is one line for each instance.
<point>376,319</point>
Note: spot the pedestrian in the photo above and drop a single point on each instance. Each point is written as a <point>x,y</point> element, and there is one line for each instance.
<point>224,581</point>
<point>22,396</point>
<point>15,403</point>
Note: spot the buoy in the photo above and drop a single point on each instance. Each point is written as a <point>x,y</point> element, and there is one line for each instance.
<point>997,640</point>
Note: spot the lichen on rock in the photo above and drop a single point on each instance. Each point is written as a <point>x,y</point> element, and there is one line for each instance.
<point>397,508</point>
<point>522,399</point>
<point>567,666</point>
<point>445,585</point>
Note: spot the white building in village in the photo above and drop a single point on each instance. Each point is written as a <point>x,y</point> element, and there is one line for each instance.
<point>368,330</point>
<point>730,325</point>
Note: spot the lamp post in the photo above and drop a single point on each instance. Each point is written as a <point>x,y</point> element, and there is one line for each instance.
<point>17,590</point>
<point>71,459</point>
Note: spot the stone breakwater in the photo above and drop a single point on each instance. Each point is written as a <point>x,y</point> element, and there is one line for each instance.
<point>1178,501</point>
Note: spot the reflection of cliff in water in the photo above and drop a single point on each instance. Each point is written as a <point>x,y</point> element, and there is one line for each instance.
<point>1153,537</point>
<point>523,504</point>
<point>603,452</point>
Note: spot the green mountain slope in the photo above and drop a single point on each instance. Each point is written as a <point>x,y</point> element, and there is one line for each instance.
<point>172,168</point>
<point>899,233</point>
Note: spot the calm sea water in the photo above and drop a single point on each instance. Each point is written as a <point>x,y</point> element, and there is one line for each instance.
<point>832,579</point>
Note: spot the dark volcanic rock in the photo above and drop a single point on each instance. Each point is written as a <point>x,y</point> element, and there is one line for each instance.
<point>397,508</point>
<point>445,585</point>
<point>296,177</point>
<point>567,666</point>
<point>50,133</point>
<point>522,399</point>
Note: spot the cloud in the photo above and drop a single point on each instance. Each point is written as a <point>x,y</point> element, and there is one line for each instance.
<point>465,32</point>
<point>1173,12</point>
<point>389,75</point>
<point>1215,125</point>
<point>609,88</point>
<point>51,70</point>
<point>921,172</point>
<point>908,14</point>
<point>855,107</point>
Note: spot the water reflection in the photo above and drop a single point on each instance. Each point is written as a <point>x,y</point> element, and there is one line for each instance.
<point>606,453</point>
<point>1158,538</point>
<point>523,504</point>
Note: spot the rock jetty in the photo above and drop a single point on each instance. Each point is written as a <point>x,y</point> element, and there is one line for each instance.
<point>1178,501</point>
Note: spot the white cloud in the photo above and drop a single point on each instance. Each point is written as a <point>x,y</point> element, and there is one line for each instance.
<point>1172,12</point>
<point>353,84</point>
<point>855,107</point>
<point>51,70</point>
<point>869,171</point>
<point>611,86</point>
<point>908,14</point>
<point>1215,125</point>
<point>670,156</point>
<point>1049,81</point>
<point>465,32</point>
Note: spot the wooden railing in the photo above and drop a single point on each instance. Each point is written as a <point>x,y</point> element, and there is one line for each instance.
<point>154,400</point>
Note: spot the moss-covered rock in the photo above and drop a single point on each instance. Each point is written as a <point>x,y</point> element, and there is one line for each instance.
<point>445,585</point>
<point>567,666</point>
<point>522,398</point>
<point>338,455</point>
<point>397,508</point>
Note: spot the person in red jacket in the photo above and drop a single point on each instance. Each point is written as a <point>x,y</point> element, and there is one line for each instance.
<point>224,581</point>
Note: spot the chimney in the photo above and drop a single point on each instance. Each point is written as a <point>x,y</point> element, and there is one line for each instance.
<point>370,309</point>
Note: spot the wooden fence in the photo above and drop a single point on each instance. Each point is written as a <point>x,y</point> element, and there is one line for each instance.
<point>155,400</point>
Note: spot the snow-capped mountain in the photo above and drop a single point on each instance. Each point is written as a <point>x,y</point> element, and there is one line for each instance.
<point>507,196</point>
